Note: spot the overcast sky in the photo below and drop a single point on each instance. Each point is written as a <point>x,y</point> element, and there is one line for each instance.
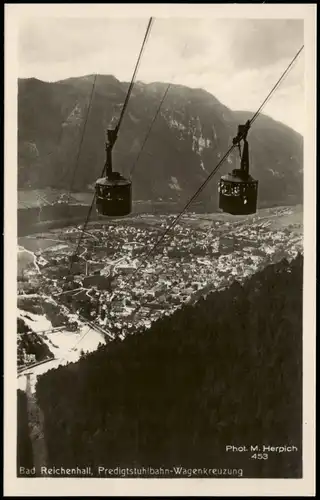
<point>237,60</point>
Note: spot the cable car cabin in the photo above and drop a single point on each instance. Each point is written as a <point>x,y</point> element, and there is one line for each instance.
<point>113,195</point>
<point>238,191</point>
<point>238,195</point>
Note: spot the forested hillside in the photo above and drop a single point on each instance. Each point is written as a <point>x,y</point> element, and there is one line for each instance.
<point>226,371</point>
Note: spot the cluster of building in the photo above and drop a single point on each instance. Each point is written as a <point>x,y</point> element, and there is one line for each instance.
<point>113,284</point>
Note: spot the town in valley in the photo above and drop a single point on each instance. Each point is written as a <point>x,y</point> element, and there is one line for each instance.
<point>69,303</point>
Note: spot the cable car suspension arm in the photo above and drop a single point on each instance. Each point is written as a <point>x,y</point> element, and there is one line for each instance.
<point>112,134</point>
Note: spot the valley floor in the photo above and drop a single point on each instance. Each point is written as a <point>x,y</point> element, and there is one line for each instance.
<point>100,300</point>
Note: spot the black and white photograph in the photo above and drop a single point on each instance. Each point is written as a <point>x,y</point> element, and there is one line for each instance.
<point>159,245</point>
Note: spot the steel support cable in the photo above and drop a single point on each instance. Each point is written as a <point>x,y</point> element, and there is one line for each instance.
<point>171,226</point>
<point>132,79</point>
<point>135,72</point>
<point>174,222</point>
<point>76,166</point>
<point>123,109</point>
<point>82,232</point>
<point>153,121</point>
<point>82,137</point>
<point>284,74</point>
<point>200,189</point>
<point>118,127</point>
<point>141,305</point>
<point>149,130</point>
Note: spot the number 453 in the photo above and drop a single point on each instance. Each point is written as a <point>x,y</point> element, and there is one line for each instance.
<point>260,456</point>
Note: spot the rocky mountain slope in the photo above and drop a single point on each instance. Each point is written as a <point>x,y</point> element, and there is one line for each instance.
<point>192,131</point>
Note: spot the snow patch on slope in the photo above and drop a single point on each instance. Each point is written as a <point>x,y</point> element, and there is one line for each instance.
<point>175,184</point>
<point>175,124</point>
<point>74,117</point>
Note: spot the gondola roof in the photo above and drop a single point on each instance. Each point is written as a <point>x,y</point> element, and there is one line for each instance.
<point>235,178</point>
<point>105,181</point>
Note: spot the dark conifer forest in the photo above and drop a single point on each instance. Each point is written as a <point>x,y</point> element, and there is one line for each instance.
<point>225,371</point>
<point>24,445</point>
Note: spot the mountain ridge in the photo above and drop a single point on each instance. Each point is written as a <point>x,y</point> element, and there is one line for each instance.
<point>191,133</point>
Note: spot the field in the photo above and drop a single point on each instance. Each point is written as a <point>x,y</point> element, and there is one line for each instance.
<point>36,244</point>
<point>40,197</point>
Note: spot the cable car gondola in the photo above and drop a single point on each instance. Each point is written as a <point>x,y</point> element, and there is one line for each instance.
<point>113,192</point>
<point>238,190</point>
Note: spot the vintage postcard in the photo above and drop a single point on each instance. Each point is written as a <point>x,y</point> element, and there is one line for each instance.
<point>160,259</point>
